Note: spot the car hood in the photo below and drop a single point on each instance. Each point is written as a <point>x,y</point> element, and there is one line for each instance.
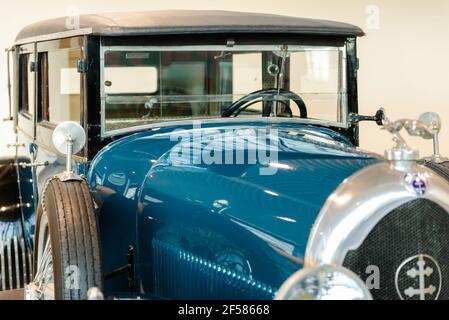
<point>277,199</point>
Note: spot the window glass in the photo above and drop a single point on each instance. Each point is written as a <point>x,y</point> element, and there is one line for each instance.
<point>124,80</point>
<point>317,81</point>
<point>59,86</point>
<point>247,73</point>
<point>247,77</point>
<point>42,80</point>
<point>26,84</point>
<point>143,87</point>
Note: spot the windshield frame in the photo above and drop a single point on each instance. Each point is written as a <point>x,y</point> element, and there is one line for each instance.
<point>342,108</point>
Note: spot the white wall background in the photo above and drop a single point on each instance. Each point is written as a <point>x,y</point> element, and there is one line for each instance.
<point>404,57</point>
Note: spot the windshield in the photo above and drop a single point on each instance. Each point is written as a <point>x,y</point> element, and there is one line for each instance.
<point>146,85</point>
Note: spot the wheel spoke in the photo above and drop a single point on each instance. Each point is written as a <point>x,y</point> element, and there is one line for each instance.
<point>42,287</point>
<point>43,258</point>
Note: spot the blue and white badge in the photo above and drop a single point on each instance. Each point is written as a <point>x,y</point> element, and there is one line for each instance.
<point>416,182</point>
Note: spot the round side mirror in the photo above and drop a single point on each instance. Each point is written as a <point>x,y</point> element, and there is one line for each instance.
<point>432,121</point>
<point>69,133</point>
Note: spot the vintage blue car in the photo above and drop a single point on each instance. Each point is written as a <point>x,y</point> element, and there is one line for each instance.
<point>210,155</point>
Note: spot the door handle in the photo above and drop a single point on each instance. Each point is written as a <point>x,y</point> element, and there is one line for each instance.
<point>33,165</point>
<point>15,145</point>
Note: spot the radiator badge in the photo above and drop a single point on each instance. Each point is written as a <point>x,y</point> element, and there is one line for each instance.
<point>418,278</point>
<point>416,182</point>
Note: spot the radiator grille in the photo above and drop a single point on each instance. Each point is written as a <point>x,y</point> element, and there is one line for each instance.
<point>179,274</point>
<point>419,227</point>
<point>15,263</point>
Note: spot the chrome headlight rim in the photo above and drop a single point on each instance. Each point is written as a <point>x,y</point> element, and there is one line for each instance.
<point>300,285</point>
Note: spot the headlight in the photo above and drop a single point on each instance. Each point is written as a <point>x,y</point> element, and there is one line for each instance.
<point>323,283</point>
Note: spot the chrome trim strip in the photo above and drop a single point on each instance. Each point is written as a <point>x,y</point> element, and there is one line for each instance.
<point>2,265</point>
<point>16,264</point>
<point>360,202</point>
<point>24,261</point>
<point>30,266</point>
<point>9,257</point>
<point>343,88</point>
<point>57,35</point>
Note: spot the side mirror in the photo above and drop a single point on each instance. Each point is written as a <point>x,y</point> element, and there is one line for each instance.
<point>69,138</point>
<point>433,123</point>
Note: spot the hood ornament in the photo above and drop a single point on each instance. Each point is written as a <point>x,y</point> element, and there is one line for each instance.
<point>427,126</point>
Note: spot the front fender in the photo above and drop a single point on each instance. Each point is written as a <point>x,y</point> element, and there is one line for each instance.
<point>9,190</point>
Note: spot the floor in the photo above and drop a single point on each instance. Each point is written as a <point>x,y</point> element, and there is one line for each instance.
<point>12,295</point>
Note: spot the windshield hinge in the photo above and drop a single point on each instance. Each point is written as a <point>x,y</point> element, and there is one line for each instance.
<point>81,65</point>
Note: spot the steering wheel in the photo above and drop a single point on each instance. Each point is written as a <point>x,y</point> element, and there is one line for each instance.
<point>268,96</point>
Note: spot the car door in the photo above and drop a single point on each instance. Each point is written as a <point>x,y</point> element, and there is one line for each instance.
<point>60,98</point>
<point>25,97</point>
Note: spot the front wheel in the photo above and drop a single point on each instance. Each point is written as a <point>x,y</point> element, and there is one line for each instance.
<point>67,259</point>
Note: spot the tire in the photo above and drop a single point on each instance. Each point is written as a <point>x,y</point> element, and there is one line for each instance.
<point>67,221</point>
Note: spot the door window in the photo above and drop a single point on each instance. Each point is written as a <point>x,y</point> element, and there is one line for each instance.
<point>59,86</point>
<point>26,84</point>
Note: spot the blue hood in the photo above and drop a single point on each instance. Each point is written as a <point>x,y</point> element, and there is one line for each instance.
<point>281,206</point>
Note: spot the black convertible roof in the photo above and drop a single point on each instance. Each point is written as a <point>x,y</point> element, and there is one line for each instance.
<point>182,22</point>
